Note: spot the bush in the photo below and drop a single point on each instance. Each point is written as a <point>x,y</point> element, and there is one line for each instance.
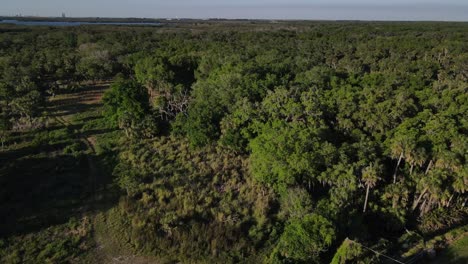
<point>304,239</point>
<point>442,219</point>
<point>74,149</point>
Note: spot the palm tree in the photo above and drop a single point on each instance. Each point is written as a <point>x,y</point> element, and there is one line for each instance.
<point>402,144</point>
<point>397,151</point>
<point>370,178</point>
<point>416,157</point>
<point>433,192</point>
<point>460,183</point>
<point>427,181</point>
<point>424,182</point>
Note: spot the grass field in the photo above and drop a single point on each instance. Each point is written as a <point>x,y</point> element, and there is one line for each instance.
<point>52,182</point>
<point>456,253</point>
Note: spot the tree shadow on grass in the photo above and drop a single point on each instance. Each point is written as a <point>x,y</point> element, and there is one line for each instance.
<point>457,260</point>
<point>96,132</point>
<point>73,101</point>
<point>448,257</point>
<point>71,109</point>
<point>38,193</point>
<point>16,137</point>
<point>88,118</point>
<point>13,155</point>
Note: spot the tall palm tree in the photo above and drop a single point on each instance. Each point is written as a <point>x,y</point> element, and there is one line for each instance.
<point>370,178</point>
<point>398,150</point>
<point>415,157</point>
<point>401,148</point>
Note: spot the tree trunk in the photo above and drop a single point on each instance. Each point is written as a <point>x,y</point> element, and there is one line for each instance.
<point>395,201</point>
<point>425,206</point>
<point>396,168</point>
<point>428,167</point>
<point>429,205</point>
<point>411,169</point>
<point>421,211</point>
<point>450,200</point>
<point>365,201</point>
<point>419,198</point>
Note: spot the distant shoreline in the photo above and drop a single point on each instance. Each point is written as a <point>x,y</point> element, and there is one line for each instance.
<point>135,20</point>
<point>74,23</point>
<point>81,19</point>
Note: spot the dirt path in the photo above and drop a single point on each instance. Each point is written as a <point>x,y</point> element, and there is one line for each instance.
<point>92,168</point>
<point>108,248</point>
<point>63,112</point>
<point>69,105</point>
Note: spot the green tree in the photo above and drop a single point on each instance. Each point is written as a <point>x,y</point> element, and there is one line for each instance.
<point>291,144</point>
<point>304,239</point>
<point>348,252</point>
<point>370,176</point>
<point>126,102</point>
<point>295,203</point>
<point>95,62</point>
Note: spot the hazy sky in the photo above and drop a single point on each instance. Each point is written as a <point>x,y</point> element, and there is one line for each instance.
<point>454,10</point>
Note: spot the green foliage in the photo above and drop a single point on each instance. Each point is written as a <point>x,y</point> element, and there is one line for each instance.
<point>348,252</point>
<point>200,124</point>
<point>204,198</point>
<point>53,137</point>
<point>73,149</point>
<point>442,219</point>
<point>62,243</point>
<point>240,141</point>
<point>153,72</point>
<point>285,154</point>
<point>236,128</point>
<point>296,203</point>
<point>126,101</point>
<point>95,62</point>
<point>304,239</point>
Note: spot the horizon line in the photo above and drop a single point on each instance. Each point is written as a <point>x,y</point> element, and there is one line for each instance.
<point>224,18</point>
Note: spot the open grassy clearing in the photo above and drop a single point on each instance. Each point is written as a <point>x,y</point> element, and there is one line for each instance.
<point>50,178</point>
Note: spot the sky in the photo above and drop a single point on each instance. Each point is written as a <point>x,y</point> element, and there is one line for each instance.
<point>441,10</point>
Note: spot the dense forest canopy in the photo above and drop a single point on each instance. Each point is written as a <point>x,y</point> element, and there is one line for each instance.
<point>294,142</point>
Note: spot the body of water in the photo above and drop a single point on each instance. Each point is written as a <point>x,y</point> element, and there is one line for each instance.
<point>71,24</point>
